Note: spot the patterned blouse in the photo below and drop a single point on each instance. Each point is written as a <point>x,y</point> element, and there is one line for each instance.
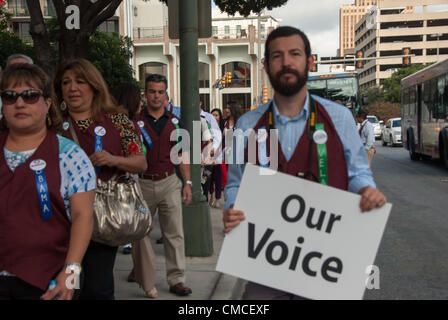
<point>130,142</point>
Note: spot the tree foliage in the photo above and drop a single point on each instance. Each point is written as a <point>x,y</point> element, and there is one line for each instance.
<point>244,7</point>
<point>391,86</point>
<point>110,54</point>
<point>74,42</point>
<point>384,110</point>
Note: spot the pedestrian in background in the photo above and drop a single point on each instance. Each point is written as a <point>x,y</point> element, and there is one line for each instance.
<point>88,108</point>
<point>287,61</point>
<point>47,188</point>
<point>127,95</point>
<point>232,112</point>
<point>367,135</point>
<point>162,189</point>
<point>216,183</point>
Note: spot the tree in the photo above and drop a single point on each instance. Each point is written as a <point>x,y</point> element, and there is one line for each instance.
<point>384,110</point>
<point>244,7</point>
<point>77,19</point>
<point>391,86</point>
<point>110,54</point>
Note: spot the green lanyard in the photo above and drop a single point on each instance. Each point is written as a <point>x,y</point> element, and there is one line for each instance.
<point>316,135</point>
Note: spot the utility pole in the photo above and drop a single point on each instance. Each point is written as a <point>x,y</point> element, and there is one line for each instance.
<point>259,59</point>
<point>196,216</point>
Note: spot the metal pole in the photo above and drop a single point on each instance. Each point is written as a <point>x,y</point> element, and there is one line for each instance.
<point>259,59</point>
<point>196,216</point>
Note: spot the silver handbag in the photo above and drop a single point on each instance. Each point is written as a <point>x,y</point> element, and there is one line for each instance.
<point>120,213</point>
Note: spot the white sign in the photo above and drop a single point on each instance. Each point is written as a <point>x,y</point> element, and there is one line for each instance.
<point>302,237</point>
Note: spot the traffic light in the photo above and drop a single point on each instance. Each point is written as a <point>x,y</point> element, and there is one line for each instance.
<point>223,81</point>
<point>314,65</point>
<point>359,63</point>
<point>265,94</point>
<point>406,60</point>
<point>229,78</point>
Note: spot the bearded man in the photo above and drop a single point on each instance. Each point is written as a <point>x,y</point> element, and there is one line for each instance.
<point>303,122</point>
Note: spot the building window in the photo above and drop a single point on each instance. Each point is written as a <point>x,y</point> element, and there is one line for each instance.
<point>109,26</point>
<point>148,68</point>
<point>18,8</point>
<point>215,30</point>
<point>226,29</point>
<point>204,75</point>
<point>240,74</point>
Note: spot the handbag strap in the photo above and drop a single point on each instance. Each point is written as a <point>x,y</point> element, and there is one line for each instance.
<point>73,132</point>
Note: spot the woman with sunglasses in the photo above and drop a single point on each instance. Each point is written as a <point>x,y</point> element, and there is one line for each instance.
<point>46,193</point>
<point>109,138</point>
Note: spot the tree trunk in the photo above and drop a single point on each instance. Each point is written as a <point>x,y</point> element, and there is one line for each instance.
<point>39,33</point>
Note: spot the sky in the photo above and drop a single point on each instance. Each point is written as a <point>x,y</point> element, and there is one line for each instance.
<point>319,19</point>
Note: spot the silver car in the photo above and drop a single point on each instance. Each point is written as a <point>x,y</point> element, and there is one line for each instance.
<point>376,126</point>
<point>392,132</point>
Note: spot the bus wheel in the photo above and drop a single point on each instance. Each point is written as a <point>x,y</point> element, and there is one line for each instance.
<point>444,152</point>
<point>411,147</point>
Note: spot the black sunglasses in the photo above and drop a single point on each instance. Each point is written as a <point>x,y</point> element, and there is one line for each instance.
<point>155,78</point>
<point>29,96</point>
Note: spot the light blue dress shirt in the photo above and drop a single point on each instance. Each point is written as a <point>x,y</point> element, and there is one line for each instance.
<point>290,131</point>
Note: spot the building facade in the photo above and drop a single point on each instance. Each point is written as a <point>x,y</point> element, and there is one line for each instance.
<point>234,47</point>
<point>421,25</point>
<point>349,16</point>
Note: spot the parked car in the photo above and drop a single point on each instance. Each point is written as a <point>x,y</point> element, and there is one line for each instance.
<point>392,132</point>
<point>376,126</point>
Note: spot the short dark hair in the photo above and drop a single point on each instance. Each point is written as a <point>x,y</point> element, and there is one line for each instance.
<point>128,96</point>
<point>362,114</point>
<point>154,77</point>
<point>286,31</point>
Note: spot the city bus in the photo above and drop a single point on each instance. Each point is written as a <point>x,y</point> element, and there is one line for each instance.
<point>424,113</point>
<point>339,87</point>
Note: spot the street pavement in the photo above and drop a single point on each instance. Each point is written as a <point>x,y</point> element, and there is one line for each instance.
<point>201,276</point>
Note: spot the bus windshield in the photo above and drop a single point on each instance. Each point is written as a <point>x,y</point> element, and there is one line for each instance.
<point>340,88</point>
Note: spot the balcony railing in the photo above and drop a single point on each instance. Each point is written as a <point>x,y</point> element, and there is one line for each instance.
<point>145,33</point>
<point>233,33</point>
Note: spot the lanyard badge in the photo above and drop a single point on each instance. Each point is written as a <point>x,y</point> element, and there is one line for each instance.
<point>100,132</point>
<point>38,167</point>
<point>320,138</point>
<point>145,134</point>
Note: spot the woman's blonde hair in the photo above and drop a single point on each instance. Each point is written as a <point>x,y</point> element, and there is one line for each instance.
<point>31,75</point>
<point>102,101</point>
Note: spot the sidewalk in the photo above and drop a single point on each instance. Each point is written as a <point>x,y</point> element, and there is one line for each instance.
<point>201,277</point>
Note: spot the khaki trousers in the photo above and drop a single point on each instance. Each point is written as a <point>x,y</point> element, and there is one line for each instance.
<point>144,263</point>
<point>370,154</point>
<point>165,196</point>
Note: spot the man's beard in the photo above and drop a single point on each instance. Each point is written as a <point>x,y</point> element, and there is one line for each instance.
<point>288,88</point>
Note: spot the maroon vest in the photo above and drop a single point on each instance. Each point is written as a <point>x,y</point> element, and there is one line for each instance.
<point>32,249</point>
<point>158,157</point>
<point>111,142</point>
<point>299,162</point>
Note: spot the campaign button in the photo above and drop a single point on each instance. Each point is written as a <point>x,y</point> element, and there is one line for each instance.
<point>38,165</point>
<point>65,125</point>
<point>100,131</point>
<point>320,137</point>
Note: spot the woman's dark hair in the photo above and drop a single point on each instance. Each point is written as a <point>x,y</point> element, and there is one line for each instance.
<point>128,96</point>
<point>32,75</point>
<point>221,121</point>
<point>235,110</point>
<point>286,31</point>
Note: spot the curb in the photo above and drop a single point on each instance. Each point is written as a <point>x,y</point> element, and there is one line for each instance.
<point>228,288</point>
